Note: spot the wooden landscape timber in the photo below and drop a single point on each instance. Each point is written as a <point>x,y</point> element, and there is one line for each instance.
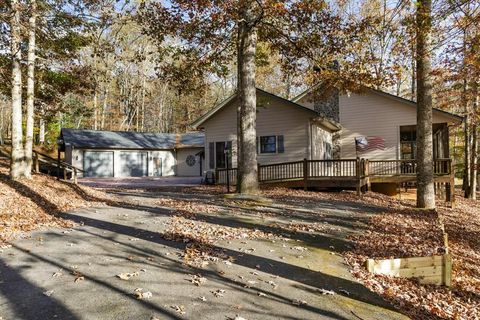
<point>428,270</point>
<point>356,173</point>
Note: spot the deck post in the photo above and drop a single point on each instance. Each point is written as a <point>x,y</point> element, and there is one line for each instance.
<point>357,173</point>
<point>74,175</point>
<point>367,174</point>
<point>305,174</point>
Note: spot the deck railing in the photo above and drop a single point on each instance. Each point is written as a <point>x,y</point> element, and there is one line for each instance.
<point>301,170</point>
<point>335,168</point>
<point>58,165</point>
<point>405,167</point>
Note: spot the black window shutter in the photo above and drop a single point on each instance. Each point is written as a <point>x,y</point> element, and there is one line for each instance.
<point>211,155</point>
<point>258,145</point>
<point>229,148</point>
<point>280,147</point>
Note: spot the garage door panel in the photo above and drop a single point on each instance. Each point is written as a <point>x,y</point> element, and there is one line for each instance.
<point>98,163</point>
<point>133,164</point>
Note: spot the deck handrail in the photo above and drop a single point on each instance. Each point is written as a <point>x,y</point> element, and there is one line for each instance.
<point>59,164</point>
<point>337,168</point>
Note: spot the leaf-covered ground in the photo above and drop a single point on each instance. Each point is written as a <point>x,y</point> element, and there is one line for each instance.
<point>402,231</point>
<point>378,226</point>
<point>38,203</point>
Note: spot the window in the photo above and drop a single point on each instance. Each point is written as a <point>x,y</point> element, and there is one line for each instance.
<point>408,145</point>
<point>327,147</point>
<point>268,144</point>
<point>220,154</point>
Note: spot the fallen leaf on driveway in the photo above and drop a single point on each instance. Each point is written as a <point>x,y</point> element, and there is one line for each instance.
<point>179,309</point>
<point>127,276</point>
<point>345,292</point>
<point>198,280</point>
<point>218,293</point>
<point>48,293</point>
<point>203,298</point>
<point>78,276</point>
<point>139,294</point>
<point>57,274</point>
<point>299,248</point>
<point>298,302</point>
<point>261,294</point>
<point>326,292</point>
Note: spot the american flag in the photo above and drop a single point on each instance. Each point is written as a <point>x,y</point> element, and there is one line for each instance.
<point>369,143</point>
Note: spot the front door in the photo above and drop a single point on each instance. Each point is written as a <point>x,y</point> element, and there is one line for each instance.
<point>157,165</point>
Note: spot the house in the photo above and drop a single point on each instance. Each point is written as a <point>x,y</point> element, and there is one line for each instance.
<point>377,113</point>
<point>133,154</point>
<point>286,131</point>
<point>316,129</point>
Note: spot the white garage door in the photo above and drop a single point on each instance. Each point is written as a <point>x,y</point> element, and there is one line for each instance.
<point>133,164</point>
<point>98,163</point>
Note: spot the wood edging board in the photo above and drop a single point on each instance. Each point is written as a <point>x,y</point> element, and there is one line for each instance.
<point>428,270</point>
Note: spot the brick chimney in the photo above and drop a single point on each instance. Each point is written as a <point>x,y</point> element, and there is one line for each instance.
<point>329,106</point>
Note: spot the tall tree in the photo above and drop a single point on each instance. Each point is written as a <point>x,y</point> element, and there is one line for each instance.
<point>32,29</point>
<point>246,114</point>
<point>17,162</point>
<point>425,182</point>
<point>206,35</point>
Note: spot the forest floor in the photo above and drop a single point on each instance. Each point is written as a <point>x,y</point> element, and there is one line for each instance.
<point>185,253</point>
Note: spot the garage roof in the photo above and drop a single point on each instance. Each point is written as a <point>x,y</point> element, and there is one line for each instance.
<point>95,139</point>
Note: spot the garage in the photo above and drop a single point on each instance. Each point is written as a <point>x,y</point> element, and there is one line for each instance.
<point>98,163</point>
<point>133,164</point>
<point>121,154</point>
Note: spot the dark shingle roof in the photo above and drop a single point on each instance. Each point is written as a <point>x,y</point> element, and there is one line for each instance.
<point>130,140</point>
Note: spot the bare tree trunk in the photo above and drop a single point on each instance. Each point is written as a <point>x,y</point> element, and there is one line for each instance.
<point>247,180</point>
<point>413,89</point>
<point>95,109</point>
<point>17,162</point>
<point>425,183</point>
<point>466,135</point>
<point>142,125</point>
<point>472,194</point>
<point>95,89</point>
<point>41,133</point>
<point>104,107</point>
<point>32,24</point>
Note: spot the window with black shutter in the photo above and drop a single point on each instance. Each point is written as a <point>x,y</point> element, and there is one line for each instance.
<point>268,144</point>
<point>280,146</point>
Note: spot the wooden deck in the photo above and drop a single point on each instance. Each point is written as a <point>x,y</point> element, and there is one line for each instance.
<point>345,173</point>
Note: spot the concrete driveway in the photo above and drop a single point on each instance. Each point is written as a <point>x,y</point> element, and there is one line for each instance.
<point>71,274</point>
<point>141,182</point>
